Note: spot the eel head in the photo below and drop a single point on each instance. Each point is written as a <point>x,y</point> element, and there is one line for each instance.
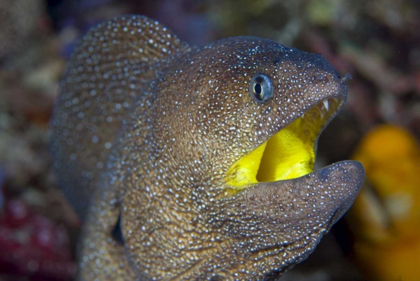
<point>240,198</point>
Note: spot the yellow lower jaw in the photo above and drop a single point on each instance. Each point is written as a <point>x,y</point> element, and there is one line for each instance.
<point>245,170</point>
<point>288,154</point>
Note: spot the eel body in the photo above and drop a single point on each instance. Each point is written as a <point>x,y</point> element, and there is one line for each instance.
<point>196,163</point>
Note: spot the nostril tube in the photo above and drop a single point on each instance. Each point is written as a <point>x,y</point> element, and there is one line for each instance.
<point>346,77</point>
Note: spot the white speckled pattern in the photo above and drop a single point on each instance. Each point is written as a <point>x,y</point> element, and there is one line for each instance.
<point>147,127</point>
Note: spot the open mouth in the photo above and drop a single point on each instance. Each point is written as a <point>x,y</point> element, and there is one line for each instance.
<point>288,154</point>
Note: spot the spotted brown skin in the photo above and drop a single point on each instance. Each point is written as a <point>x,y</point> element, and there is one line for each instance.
<point>144,132</point>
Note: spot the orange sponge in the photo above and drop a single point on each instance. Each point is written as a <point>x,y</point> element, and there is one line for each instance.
<point>386,214</point>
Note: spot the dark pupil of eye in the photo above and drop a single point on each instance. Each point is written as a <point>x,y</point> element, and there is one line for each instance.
<point>257,89</point>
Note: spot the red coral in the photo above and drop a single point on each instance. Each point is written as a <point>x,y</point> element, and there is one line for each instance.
<point>33,246</point>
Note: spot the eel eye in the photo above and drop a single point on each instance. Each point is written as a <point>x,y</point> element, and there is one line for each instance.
<point>260,88</point>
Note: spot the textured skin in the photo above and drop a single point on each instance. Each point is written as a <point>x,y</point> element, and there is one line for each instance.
<point>179,120</point>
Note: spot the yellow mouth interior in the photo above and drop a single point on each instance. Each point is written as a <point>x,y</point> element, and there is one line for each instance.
<point>288,154</point>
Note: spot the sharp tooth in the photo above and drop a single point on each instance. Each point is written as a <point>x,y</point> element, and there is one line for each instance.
<point>325,102</point>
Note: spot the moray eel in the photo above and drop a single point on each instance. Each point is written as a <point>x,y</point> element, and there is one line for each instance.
<point>196,163</point>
